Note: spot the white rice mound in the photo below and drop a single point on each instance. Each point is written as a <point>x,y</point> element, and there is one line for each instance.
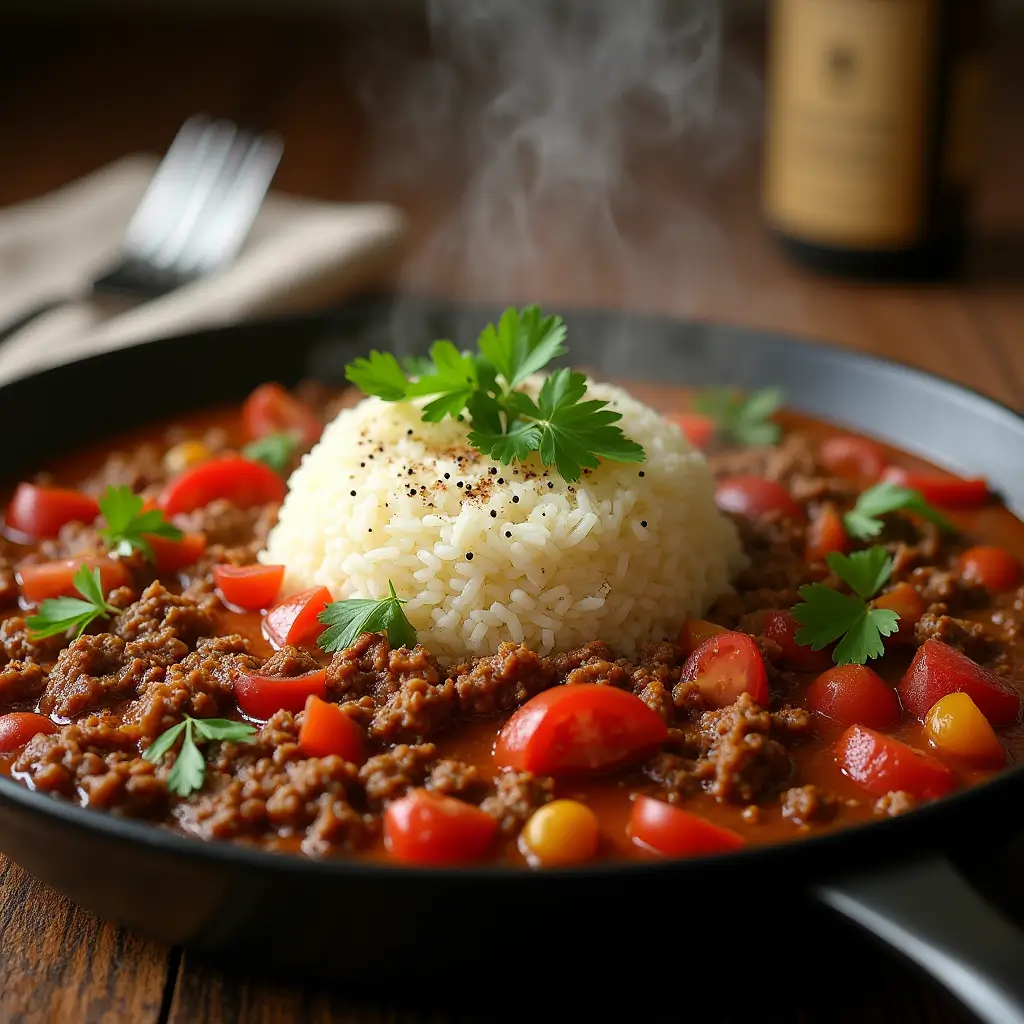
<point>486,553</point>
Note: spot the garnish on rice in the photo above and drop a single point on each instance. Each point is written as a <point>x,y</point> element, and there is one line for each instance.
<point>505,423</point>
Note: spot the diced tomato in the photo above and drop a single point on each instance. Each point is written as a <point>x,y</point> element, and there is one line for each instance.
<point>855,457</point>
<point>725,666</point>
<point>942,491</point>
<point>250,587</point>
<point>56,579</point>
<point>37,512</point>
<point>881,764</point>
<point>938,669</point>
<point>579,728</point>
<point>261,697</point>
<point>959,729</point>
<point>995,569</point>
<point>244,482</point>
<point>672,832</point>
<point>430,828</point>
<point>172,555</point>
<point>780,626</point>
<point>753,496</point>
<point>698,429</point>
<point>825,534</point>
<point>693,632</point>
<point>855,695</point>
<point>18,727</point>
<point>326,730</point>
<point>271,410</point>
<point>294,621</point>
<point>908,604</point>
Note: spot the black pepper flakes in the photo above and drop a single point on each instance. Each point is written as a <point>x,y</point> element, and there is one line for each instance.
<point>494,515</point>
<point>501,480</point>
<point>643,523</point>
<point>515,499</point>
<point>641,472</point>
<point>409,432</point>
<point>469,556</point>
<point>352,493</point>
<point>460,484</point>
<point>447,476</point>
<point>493,470</point>
<point>508,533</point>
<point>550,485</point>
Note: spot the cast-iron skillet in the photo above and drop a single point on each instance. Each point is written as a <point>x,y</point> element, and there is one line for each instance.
<point>348,920</point>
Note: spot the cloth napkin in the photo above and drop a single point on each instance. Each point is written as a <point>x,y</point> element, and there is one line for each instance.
<point>301,254</point>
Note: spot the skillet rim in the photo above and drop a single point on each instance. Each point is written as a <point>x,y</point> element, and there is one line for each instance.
<point>924,821</point>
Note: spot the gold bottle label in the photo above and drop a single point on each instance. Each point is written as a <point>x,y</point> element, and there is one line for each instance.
<point>850,91</point>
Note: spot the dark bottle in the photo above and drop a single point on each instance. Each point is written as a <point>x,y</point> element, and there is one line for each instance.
<point>872,133</point>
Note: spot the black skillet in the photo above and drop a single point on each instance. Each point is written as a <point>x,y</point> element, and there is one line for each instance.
<point>899,878</point>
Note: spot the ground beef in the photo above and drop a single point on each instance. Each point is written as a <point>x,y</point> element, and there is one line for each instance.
<point>20,681</point>
<point>226,524</point>
<point>593,663</point>
<point>201,685</point>
<point>415,711</point>
<point>969,637</point>
<point>73,540</point>
<point>138,469</point>
<point>678,776</point>
<point>456,778</point>
<point>654,679</point>
<point>386,777</point>
<point>290,661</point>
<point>950,588</point>
<point>16,645</point>
<point>97,764</point>
<point>92,671</point>
<point>499,683</point>
<point>158,610</point>
<point>517,795</point>
<point>748,762</point>
<point>359,669</point>
<point>894,803</point>
<point>804,805</point>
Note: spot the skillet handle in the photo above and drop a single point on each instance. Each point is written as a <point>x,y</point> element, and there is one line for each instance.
<point>929,912</point>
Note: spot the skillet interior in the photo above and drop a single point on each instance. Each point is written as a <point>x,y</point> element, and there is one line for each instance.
<point>242,900</point>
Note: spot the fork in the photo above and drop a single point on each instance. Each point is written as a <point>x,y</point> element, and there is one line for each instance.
<point>193,218</point>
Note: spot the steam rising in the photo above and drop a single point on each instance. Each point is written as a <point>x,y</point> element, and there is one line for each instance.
<point>591,133</point>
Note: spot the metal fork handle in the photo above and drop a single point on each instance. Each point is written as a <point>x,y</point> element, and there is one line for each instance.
<point>12,327</point>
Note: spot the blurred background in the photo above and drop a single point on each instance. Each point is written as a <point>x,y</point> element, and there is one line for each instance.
<point>617,161</point>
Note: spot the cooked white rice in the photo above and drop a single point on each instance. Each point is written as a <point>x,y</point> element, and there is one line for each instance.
<point>486,553</point>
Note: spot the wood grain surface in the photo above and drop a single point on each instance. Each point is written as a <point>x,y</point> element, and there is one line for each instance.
<point>78,94</point>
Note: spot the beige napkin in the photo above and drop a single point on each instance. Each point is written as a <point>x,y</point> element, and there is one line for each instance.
<point>301,254</point>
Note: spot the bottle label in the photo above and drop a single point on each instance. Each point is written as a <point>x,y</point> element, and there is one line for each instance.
<point>850,89</point>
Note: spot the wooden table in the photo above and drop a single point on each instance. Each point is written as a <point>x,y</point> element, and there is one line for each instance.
<point>78,95</point>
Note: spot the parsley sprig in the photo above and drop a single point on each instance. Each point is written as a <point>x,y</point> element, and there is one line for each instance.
<point>127,525</point>
<point>506,424</point>
<point>59,614</point>
<point>273,450</point>
<point>346,620</point>
<point>188,772</point>
<point>743,418</point>
<point>827,614</point>
<point>864,519</point>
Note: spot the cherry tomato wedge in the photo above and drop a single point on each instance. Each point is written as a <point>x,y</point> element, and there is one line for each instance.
<point>326,730</point>
<point>855,457</point>
<point>584,727</point>
<point>699,430</point>
<point>938,669</point>
<point>693,632</point>
<point>855,695</point>
<point>244,482</point>
<point>780,626</point>
<point>172,555</point>
<point>271,410</point>
<point>958,728</point>
<point>881,764</point>
<point>250,587</point>
<point>18,727</point>
<point>294,621</point>
<point>825,534</point>
<point>56,579</point>
<point>430,828</point>
<point>672,832</point>
<point>37,512</point>
<point>908,604</point>
<point>942,491</point>
<point>753,496</point>
<point>261,697</point>
<point>725,666</point>
<point>995,569</point>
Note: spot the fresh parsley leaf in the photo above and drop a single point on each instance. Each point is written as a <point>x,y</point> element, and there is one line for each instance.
<point>745,419</point>
<point>864,519</point>
<point>59,614</point>
<point>522,343</point>
<point>127,525</point>
<point>273,450</point>
<point>417,366</point>
<point>188,772</point>
<point>452,377</point>
<point>516,445</point>
<point>347,620</point>
<point>826,615</point>
<point>379,374</point>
